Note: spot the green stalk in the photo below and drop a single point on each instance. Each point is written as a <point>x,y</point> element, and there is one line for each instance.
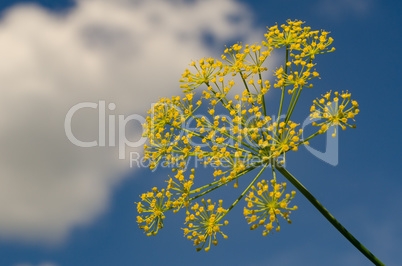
<point>224,133</point>
<point>245,85</point>
<point>283,87</point>
<point>293,104</point>
<point>264,108</point>
<point>214,92</point>
<point>244,82</point>
<point>203,137</point>
<point>328,215</point>
<point>307,139</point>
<point>247,189</point>
<point>220,183</point>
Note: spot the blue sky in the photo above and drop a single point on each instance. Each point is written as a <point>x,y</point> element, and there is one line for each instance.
<point>62,205</point>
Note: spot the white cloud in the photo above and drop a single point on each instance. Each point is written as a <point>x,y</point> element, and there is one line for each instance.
<point>125,52</point>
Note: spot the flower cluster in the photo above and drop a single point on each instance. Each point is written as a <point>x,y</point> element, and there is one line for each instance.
<point>153,204</point>
<point>334,112</point>
<point>303,39</point>
<point>303,44</point>
<point>235,134</point>
<point>264,206</point>
<point>204,224</point>
<point>181,189</point>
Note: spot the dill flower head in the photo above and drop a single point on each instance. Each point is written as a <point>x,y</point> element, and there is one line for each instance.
<point>151,210</point>
<point>181,189</point>
<point>334,111</point>
<point>205,72</point>
<point>235,133</point>
<point>299,38</point>
<point>264,206</point>
<point>204,224</point>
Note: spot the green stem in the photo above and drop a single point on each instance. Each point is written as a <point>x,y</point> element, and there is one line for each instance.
<point>283,88</point>
<point>245,85</point>
<point>219,182</point>
<point>291,102</point>
<point>244,81</point>
<point>247,189</point>
<point>203,137</point>
<point>264,108</point>
<point>328,215</point>
<point>214,92</point>
<point>307,139</point>
<point>292,105</point>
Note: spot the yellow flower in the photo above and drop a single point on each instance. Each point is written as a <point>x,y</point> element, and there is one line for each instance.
<point>181,189</point>
<point>288,35</point>
<point>264,206</point>
<point>151,210</point>
<point>204,73</point>
<point>334,112</point>
<point>235,134</point>
<point>205,224</point>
